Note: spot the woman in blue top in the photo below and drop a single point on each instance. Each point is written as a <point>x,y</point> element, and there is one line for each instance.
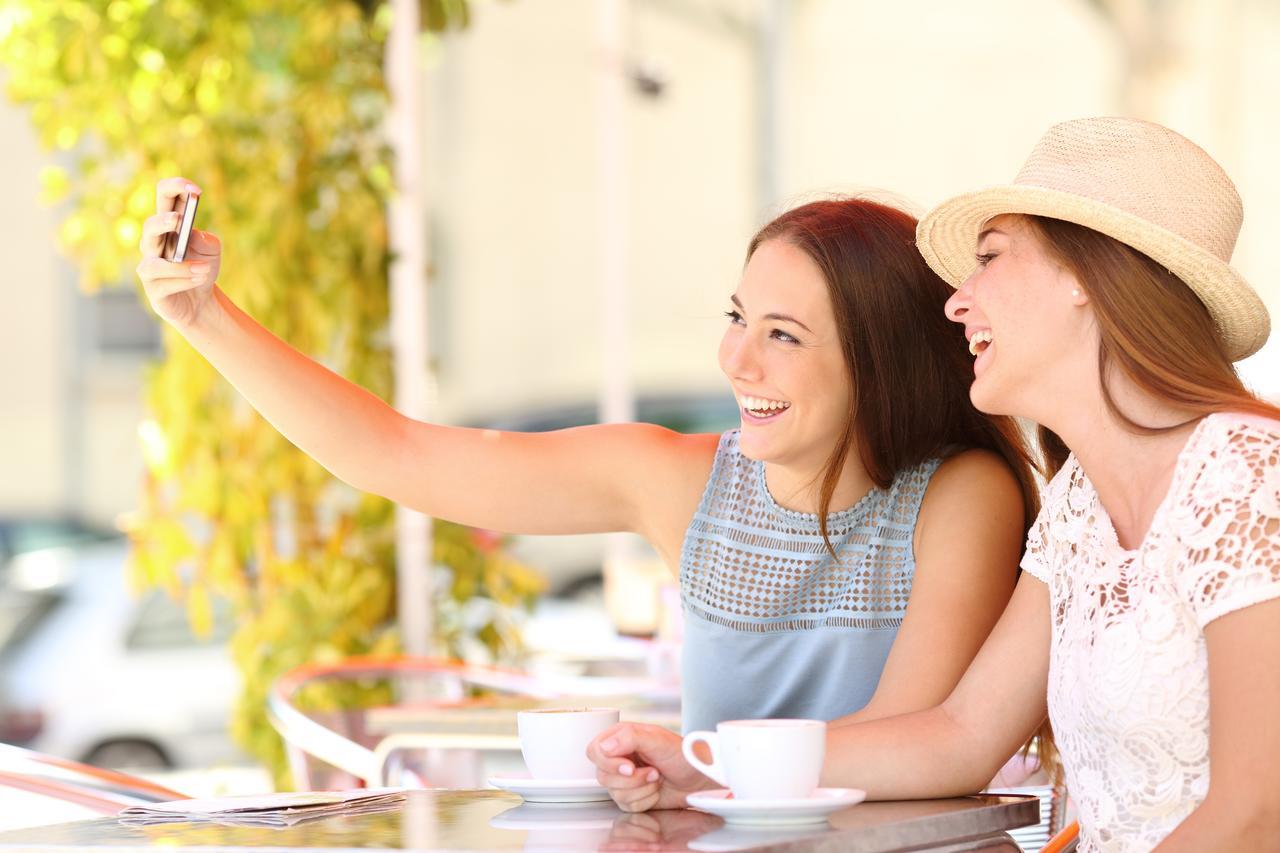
<point>827,552</point>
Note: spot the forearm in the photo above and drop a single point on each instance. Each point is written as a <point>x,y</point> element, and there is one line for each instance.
<point>1239,823</point>
<point>345,428</point>
<point>921,755</point>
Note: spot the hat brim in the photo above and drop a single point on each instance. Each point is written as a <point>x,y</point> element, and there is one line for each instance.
<point>947,238</point>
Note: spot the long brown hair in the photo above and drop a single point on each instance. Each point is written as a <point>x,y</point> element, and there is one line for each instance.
<point>909,366</point>
<point>1151,327</point>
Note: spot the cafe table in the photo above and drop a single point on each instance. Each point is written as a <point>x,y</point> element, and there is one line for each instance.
<point>459,820</point>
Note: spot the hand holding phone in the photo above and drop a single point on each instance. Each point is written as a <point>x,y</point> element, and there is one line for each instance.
<point>175,242</point>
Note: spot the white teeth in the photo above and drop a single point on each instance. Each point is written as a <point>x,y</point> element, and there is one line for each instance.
<point>983,337</point>
<point>759,404</point>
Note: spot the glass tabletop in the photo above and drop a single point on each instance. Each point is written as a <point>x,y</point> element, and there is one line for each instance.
<point>495,820</point>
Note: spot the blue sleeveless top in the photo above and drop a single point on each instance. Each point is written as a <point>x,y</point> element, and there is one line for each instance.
<point>773,626</point>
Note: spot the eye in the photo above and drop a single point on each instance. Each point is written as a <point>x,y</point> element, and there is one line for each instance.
<point>985,259</point>
<point>778,334</point>
<point>734,317</point>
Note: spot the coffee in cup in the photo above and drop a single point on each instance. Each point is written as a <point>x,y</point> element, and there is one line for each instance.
<point>554,740</point>
<point>763,759</point>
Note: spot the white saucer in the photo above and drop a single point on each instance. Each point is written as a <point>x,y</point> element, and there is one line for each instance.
<point>550,790</point>
<point>736,837</point>
<point>557,816</point>
<point>790,812</point>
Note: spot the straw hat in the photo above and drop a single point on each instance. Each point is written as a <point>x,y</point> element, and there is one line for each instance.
<point>1138,182</point>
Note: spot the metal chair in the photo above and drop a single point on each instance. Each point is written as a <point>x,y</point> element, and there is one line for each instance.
<point>103,791</point>
<point>447,710</point>
<point>1065,841</point>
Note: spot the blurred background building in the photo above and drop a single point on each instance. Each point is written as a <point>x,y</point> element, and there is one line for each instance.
<point>735,109</point>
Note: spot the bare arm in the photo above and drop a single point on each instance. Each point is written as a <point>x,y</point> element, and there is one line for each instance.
<point>956,747</point>
<point>630,477</point>
<point>967,543</point>
<point>1242,809</point>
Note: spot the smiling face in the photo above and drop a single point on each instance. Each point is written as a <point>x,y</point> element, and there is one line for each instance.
<point>1021,314</point>
<point>782,355</point>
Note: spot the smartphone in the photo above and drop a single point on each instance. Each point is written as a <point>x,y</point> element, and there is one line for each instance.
<point>175,242</point>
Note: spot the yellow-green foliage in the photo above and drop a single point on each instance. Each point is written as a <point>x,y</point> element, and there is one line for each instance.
<point>276,108</point>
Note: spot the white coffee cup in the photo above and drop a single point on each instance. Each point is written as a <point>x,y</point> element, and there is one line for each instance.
<point>763,759</point>
<point>554,740</point>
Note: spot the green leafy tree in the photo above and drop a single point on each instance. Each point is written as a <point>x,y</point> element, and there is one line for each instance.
<point>276,108</point>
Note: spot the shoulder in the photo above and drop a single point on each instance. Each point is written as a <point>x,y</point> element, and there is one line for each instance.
<point>663,462</point>
<point>649,444</point>
<point>970,474</point>
<point>972,493</point>
<point>1232,454</point>
<point>1239,433</point>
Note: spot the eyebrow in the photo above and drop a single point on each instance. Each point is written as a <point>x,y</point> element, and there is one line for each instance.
<point>786,318</point>
<point>987,231</point>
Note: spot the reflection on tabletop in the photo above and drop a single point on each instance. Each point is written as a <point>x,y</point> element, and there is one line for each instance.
<point>494,820</point>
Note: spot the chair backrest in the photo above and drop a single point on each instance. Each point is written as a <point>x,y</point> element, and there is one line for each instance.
<point>103,791</point>
<point>344,742</point>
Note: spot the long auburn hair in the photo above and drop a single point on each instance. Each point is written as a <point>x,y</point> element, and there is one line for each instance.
<point>909,366</point>
<point>1151,327</point>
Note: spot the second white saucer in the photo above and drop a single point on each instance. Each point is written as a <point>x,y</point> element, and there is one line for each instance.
<point>789,812</point>
<point>550,790</point>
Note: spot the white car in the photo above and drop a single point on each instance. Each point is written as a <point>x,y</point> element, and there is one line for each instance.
<point>92,672</point>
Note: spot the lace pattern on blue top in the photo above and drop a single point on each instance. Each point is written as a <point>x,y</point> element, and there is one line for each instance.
<point>752,565</point>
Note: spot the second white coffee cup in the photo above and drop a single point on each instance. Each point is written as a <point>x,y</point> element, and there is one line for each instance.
<point>554,740</point>
<point>763,759</point>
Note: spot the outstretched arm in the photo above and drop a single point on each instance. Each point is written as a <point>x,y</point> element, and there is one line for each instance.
<point>631,477</point>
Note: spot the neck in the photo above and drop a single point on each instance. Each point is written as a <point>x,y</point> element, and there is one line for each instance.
<point>1131,471</point>
<point>799,487</point>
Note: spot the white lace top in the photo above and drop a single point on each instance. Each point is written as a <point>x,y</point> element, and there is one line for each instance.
<point>1128,672</point>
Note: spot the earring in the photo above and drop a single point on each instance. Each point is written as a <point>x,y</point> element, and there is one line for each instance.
<point>1076,293</point>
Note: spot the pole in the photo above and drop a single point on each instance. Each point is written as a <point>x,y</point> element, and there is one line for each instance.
<point>408,238</point>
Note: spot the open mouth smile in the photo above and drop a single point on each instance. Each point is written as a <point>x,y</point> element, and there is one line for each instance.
<point>761,408</point>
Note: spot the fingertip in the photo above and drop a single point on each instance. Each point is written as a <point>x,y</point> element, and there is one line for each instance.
<point>653,774</point>
<point>609,744</point>
<point>626,768</point>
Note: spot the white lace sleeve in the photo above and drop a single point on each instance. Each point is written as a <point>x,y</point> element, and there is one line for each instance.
<point>1038,558</point>
<point>1229,523</point>
<point>1034,560</point>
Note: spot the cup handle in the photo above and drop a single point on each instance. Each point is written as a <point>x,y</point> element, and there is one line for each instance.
<point>714,770</point>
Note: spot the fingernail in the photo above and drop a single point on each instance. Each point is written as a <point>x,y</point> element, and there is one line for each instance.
<point>626,769</point>
<point>653,776</point>
<point>609,744</point>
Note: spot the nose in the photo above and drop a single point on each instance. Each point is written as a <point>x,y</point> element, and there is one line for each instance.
<point>739,358</point>
<point>958,305</point>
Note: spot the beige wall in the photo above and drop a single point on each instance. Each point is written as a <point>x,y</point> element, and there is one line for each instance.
<point>32,355</point>
<point>512,151</point>
<point>922,98</point>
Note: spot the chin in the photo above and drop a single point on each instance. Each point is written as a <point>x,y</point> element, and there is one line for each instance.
<point>985,400</point>
<point>752,448</point>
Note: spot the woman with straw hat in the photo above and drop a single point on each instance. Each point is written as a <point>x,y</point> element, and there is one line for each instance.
<point>1098,300</point>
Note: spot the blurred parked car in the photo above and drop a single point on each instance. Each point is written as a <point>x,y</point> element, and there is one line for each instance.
<point>22,535</point>
<point>572,564</point>
<point>91,672</point>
